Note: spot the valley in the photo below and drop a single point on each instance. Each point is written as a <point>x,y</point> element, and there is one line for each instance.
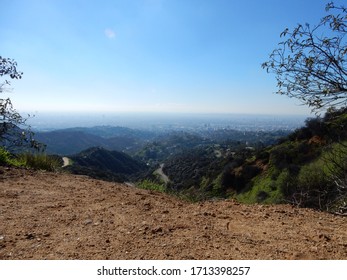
<point>225,194</point>
<point>252,166</point>
<point>178,160</point>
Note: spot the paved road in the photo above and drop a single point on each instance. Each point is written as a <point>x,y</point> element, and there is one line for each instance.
<point>161,173</point>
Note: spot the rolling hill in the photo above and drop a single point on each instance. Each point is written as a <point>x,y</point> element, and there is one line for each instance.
<point>97,162</point>
<point>74,140</point>
<point>306,168</point>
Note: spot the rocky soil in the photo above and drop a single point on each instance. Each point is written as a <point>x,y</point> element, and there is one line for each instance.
<point>59,216</point>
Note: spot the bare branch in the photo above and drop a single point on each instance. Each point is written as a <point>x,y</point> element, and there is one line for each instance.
<point>313,67</point>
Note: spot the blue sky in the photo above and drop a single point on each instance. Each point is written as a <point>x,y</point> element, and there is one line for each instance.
<point>189,56</point>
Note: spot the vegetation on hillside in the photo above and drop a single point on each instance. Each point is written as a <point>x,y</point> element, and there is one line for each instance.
<point>15,135</point>
<point>38,161</point>
<point>108,165</point>
<point>166,147</point>
<point>306,168</point>
<point>74,140</point>
<point>310,65</point>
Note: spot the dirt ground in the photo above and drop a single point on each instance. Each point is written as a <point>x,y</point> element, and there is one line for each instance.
<point>59,216</point>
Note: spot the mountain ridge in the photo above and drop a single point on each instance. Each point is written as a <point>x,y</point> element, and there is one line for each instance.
<point>98,162</point>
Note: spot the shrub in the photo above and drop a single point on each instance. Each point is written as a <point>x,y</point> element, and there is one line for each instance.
<point>265,190</point>
<point>6,158</point>
<point>336,165</point>
<point>151,185</point>
<point>314,187</point>
<point>218,189</point>
<point>39,161</point>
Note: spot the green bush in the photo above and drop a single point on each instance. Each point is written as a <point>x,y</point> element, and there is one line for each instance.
<point>40,161</point>
<point>151,185</point>
<point>6,158</point>
<point>313,175</point>
<point>35,161</point>
<point>335,158</point>
<point>266,190</point>
<point>314,186</point>
<point>218,189</point>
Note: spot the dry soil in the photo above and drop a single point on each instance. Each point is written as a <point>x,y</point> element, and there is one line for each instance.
<point>60,216</point>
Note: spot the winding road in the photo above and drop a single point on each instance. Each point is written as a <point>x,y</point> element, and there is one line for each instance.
<point>161,173</point>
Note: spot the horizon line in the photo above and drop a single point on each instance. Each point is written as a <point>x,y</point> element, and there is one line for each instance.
<point>110,113</point>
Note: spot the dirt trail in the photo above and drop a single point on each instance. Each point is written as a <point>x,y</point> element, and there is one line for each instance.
<point>60,216</point>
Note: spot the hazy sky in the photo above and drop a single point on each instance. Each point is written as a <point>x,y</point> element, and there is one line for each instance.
<point>149,55</point>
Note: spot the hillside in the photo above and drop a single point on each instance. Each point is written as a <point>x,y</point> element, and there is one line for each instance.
<point>63,142</point>
<point>147,145</point>
<point>59,216</point>
<point>306,168</point>
<point>108,165</point>
<point>74,140</point>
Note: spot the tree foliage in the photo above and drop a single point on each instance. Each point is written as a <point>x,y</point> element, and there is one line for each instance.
<point>12,123</point>
<point>311,63</point>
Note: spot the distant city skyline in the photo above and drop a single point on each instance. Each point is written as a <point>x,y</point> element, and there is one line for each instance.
<point>194,56</point>
<point>166,121</point>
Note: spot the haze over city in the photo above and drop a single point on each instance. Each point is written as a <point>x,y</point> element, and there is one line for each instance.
<point>174,130</point>
<point>157,56</point>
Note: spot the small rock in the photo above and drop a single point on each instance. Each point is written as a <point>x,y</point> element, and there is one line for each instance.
<point>88,221</point>
<point>29,236</point>
<point>157,230</point>
<point>314,249</point>
<point>325,237</point>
